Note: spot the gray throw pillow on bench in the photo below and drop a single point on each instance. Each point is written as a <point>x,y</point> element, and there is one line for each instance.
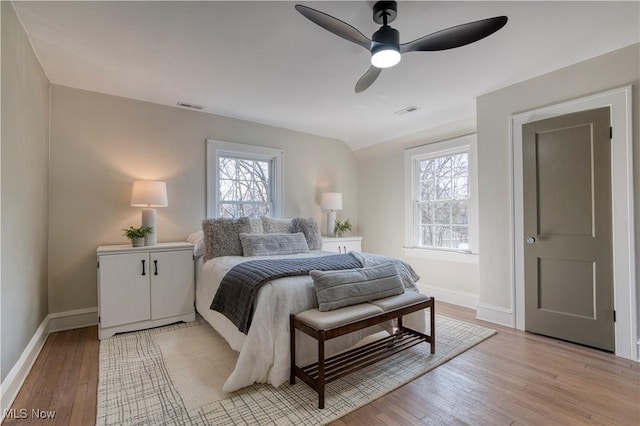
<point>273,244</point>
<point>336,289</point>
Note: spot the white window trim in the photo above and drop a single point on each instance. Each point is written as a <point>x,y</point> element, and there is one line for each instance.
<point>215,149</point>
<point>431,150</point>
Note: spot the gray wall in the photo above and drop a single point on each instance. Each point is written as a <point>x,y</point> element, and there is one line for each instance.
<point>100,144</point>
<point>612,70</point>
<point>24,181</point>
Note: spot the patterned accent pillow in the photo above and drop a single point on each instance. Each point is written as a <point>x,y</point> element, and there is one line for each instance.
<point>273,244</point>
<point>221,236</point>
<point>336,289</point>
<point>309,227</point>
<point>275,226</point>
<point>256,225</point>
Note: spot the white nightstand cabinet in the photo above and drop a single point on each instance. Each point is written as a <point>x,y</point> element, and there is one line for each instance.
<point>143,287</point>
<point>342,244</point>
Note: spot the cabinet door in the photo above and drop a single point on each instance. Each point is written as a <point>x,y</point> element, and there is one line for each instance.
<point>172,287</point>
<point>124,289</point>
<point>332,246</point>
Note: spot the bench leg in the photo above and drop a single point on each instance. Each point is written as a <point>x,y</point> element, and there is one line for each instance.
<point>432,316</point>
<point>321,371</point>
<point>292,349</point>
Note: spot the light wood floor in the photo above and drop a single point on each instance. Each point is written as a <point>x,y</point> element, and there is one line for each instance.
<point>511,378</point>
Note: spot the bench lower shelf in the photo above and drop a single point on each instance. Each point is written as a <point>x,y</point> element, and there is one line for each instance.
<point>363,356</point>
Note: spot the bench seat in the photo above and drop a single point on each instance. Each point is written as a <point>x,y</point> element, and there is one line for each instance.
<point>324,326</point>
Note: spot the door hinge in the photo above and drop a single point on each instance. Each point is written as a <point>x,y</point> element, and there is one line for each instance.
<point>98,319</point>
<point>614,316</point>
<point>610,132</point>
<point>98,265</point>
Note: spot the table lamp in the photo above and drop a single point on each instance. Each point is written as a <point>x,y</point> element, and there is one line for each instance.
<point>331,201</point>
<point>149,194</point>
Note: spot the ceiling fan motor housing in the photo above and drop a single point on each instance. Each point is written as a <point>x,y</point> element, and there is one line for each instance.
<point>384,38</point>
<point>385,48</point>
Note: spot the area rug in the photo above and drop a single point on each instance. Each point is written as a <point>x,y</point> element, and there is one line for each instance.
<point>174,375</point>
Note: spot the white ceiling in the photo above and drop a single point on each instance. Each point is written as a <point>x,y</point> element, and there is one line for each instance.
<point>264,62</point>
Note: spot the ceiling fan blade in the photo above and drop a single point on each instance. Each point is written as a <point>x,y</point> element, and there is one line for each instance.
<point>367,79</point>
<point>457,36</point>
<point>334,25</point>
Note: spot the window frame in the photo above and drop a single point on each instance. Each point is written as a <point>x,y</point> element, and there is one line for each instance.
<point>216,149</point>
<point>412,157</point>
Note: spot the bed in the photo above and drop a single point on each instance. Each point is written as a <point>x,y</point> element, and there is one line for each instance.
<point>264,349</point>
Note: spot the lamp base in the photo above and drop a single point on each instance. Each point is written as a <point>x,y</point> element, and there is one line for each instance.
<point>331,223</point>
<point>149,219</point>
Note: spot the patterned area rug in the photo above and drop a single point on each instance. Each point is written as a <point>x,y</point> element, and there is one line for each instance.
<point>174,375</point>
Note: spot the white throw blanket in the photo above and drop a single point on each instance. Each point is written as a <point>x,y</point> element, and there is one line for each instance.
<point>264,352</point>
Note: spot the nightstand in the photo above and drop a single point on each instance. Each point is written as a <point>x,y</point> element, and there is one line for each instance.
<point>144,287</point>
<point>342,244</point>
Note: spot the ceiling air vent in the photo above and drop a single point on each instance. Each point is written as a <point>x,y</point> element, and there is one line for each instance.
<point>407,110</point>
<point>192,106</point>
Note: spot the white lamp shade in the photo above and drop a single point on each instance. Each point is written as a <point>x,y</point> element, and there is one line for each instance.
<point>331,201</point>
<point>149,193</point>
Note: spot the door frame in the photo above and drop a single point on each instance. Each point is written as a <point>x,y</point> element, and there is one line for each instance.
<point>619,100</point>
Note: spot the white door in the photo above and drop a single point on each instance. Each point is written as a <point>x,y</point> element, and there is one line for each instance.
<point>172,287</point>
<point>124,289</point>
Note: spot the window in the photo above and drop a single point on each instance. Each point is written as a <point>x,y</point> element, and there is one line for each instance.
<point>441,196</point>
<point>243,180</point>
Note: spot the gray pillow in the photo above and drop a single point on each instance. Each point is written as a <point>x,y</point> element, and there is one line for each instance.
<point>221,236</point>
<point>336,289</point>
<point>275,226</point>
<point>309,227</point>
<point>273,244</point>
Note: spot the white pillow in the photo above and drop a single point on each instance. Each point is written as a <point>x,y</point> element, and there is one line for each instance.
<point>197,239</point>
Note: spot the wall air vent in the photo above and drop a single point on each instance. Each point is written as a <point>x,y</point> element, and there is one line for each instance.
<point>192,106</point>
<point>407,110</point>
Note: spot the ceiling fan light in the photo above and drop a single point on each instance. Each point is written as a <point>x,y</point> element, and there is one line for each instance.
<point>385,58</point>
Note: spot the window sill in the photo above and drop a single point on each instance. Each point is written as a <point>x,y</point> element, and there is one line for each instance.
<point>450,256</point>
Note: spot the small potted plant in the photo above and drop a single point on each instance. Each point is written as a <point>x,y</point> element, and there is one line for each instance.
<point>342,227</point>
<point>136,235</point>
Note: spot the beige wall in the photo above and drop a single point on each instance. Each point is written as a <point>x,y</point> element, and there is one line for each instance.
<point>381,208</point>
<point>100,144</point>
<point>24,166</point>
<point>612,70</point>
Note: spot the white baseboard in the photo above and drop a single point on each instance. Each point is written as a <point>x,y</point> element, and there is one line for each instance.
<point>468,300</point>
<point>638,351</point>
<point>12,383</point>
<point>59,321</point>
<point>69,320</point>
<point>495,314</point>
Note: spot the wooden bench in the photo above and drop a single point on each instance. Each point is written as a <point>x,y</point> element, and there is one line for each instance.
<point>324,326</point>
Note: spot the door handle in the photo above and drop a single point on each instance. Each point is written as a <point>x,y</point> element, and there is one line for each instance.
<point>531,240</point>
<point>155,265</point>
<point>143,271</point>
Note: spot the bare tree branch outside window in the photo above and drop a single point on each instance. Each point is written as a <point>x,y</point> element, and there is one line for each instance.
<point>442,201</point>
<point>244,187</point>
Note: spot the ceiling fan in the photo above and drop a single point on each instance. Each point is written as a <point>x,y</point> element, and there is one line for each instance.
<point>385,45</point>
